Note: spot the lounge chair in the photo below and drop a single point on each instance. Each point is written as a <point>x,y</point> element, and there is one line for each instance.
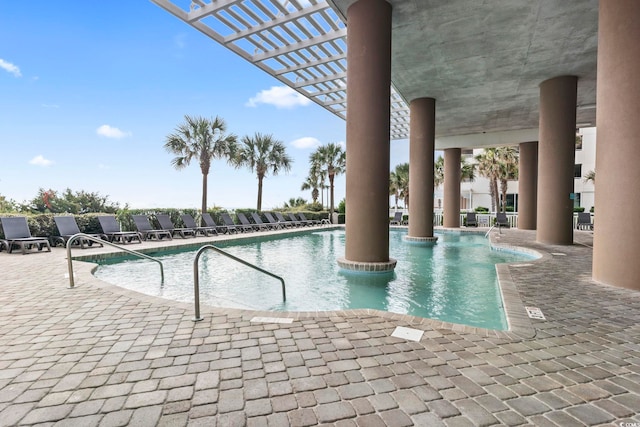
<point>584,221</point>
<point>283,224</point>
<point>209,222</point>
<point>269,225</point>
<point>245,221</point>
<point>282,219</point>
<point>502,220</point>
<point>191,223</point>
<point>147,231</point>
<point>294,219</point>
<point>166,224</point>
<point>308,221</point>
<point>67,227</point>
<point>228,221</point>
<point>17,233</point>
<point>397,219</point>
<point>472,221</point>
<point>111,229</point>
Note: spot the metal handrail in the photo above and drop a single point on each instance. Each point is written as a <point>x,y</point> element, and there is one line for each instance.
<point>492,227</point>
<point>104,242</point>
<point>196,277</point>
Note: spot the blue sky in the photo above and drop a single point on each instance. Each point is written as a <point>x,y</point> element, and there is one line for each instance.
<point>89,92</point>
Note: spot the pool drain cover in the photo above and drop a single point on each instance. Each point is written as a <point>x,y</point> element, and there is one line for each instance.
<point>408,334</point>
<point>272,319</point>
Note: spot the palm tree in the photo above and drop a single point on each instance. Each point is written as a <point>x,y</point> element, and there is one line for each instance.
<point>312,183</point>
<point>489,167</point>
<point>438,172</point>
<point>402,178</point>
<point>590,176</point>
<point>393,187</point>
<point>204,140</point>
<point>467,171</point>
<point>261,154</point>
<point>330,158</point>
<point>508,160</point>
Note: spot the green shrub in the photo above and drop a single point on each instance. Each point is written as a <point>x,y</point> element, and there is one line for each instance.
<point>481,209</point>
<point>591,210</point>
<point>342,206</point>
<point>578,209</point>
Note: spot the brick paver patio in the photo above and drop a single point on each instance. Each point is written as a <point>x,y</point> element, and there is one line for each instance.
<point>98,355</point>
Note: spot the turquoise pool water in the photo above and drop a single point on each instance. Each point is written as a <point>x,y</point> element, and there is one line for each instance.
<point>454,280</point>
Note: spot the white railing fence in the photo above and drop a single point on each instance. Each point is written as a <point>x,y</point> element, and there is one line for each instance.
<point>484,219</point>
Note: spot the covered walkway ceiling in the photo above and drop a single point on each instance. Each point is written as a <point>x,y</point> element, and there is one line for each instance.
<point>481,60</point>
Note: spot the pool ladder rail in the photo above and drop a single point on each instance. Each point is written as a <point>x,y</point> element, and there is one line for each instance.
<point>104,242</point>
<point>196,277</point>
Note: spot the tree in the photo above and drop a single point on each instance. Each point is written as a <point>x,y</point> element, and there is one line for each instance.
<point>467,171</point>
<point>263,154</point>
<point>508,161</point>
<point>498,165</point>
<point>401,177</point>
<point>488,166</point>
<point>394,190</point>
<point>330,158</point>
<point>312,183</point>
<point>590,176</point>
<point>204,140</point>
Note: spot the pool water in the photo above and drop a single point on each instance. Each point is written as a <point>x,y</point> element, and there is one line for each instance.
<point>454,280</point>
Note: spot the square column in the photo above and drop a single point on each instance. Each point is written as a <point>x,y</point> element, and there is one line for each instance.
<point>421,151</point>
<point>368,148</point>
<point>616,242</point>
<point>556,152</point>
<point>452,176</point>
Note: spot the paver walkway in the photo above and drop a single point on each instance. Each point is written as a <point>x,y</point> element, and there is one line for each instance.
<point>99,355</point>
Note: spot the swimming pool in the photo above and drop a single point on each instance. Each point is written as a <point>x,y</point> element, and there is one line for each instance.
<point>454,280</point>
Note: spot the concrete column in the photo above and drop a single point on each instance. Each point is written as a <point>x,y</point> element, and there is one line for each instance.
<point>527,185</point>
<point>616,242</point>
<point>368,112</point>
<point>422,128</point>
<point>452,175</point>
<point>556,153</point>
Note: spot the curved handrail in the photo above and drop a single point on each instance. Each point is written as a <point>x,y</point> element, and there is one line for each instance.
<point>196,276</point>
<point>104,242</point>
<point>492,227</point>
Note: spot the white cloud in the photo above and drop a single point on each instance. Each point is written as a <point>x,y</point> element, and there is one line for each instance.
<point>50,106</point>
<point>111,132</point>
<point>10,68</point>
<point>306,142</point>
<point>280,97</point>
<point>40,161</point>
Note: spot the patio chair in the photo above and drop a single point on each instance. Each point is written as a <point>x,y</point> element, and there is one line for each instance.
<point>245,221</point>
<point>272,219</point>
<point>584,221</point>
<point>111,230</point>
<point>502,220</point>
<point>147,231</point>
<point>17,234</point>
<point>166,224</point>
<point>228,221</point>
<point>67,227</point>
<point>295,220</point>
<point>472,221</point>
<point>282,219</point>
<point>191,223</point>
<point>309,221</point>
<point>209,222</point>
<point>397,219</point>
<point>270,225</point>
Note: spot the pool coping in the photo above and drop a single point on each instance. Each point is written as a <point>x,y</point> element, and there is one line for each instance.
<point>518,322</point>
